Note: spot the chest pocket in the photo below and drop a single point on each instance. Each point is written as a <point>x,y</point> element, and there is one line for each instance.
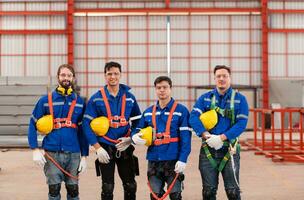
<point>101,108</point>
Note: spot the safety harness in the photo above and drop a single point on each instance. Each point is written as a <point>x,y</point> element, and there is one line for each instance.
<point>115,121</point>
<point>62,122</point>
<point>233,143</point>
<point>164,137</point>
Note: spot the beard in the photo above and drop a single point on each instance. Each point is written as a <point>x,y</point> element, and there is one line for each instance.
<point>66,84</point>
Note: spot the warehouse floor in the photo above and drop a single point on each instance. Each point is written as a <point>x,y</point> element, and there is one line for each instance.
<point>260,178</point>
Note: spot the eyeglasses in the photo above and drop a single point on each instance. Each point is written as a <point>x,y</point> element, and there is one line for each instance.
<point>225,76</point>
<point>112,74</point>
<point>66,75</point>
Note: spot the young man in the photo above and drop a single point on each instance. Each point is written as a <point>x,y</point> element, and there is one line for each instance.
<point>64,142</point>
<point>220,149</point>
<point>115,102</point>
<point>168,154</point>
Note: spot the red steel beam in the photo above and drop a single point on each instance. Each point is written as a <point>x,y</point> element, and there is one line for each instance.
<point>166,10</point>
<point>32,32</point>
<point>286,11</point>
<point>286,30</point>
<point>265,78</point>
<point>167,2</point>
<point>31,13</point>
<point>70,34</point>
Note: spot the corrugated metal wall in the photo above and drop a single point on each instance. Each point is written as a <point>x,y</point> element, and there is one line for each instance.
<point>139,42</point>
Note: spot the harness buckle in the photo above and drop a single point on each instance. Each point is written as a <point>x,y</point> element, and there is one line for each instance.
<point>158,142</point>
<point>68,123</point>
<point>114,124</point>
<point>116,117</point>
<point>123,121</point>
<point>166,139</point>
<point>57,125</point>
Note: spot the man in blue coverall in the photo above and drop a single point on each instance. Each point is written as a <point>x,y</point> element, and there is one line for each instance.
<point>65,144</point>
<point>114,101</point>
<point>168,154</point>
<point>220,148</point>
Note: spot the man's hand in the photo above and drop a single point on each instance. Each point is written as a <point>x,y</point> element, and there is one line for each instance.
<point>206,135</point>
<point>82,165</point>
<point>215,141</point>
<point>180,167</point>
<point>136,138</point>
<point>102,155</point>
<point>124,143</point>
<point>38,157</point>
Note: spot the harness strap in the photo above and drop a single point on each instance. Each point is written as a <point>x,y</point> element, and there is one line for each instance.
<point>233,142</point>
<point>166,135</point>
<point>222,164</point>
<point>122,119</point>
<point>170,187</point>
<point>58,122</point>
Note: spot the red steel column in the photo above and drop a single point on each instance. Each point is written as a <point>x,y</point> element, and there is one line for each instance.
<point>265,78</point>
<point>70,26</point>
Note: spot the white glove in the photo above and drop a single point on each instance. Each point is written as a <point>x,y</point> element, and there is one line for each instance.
<point>180,167</point>
<point>82,165</point>
<point>215,141</point>
<point>137,139</point>
<point>38,157</point>
<point>102,155</point>
<point>124,143</point>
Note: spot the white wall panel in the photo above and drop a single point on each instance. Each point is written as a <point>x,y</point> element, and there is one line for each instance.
<point>179,50</point>
<point>219,36</point>
<point>294,21</point>
<point>80,51</point>
<point>9,6</point>
<point>277,43</point>
<point>117,51</point>
<point>117,37</point>
<point>37,44</point>
<point>138,37</point>
<point>158,36</point>
<point>157,22</point>
<point>137,22</point>
<point>296,43</point>
<point>179,65</point>
<point>97,65</point>
<point>137,65</point>
<point>158,65</point>
<point>96,51</point>
<point>137,51</point>
<point>240,36</point>
<point>12,66</point>
<point>36,66</point>
<point>240,65</point>
<point>240,50</point>
<point>296,66</point>
<point>199,36</point>
<point>179,36</point>
<point>159,51</point>
<point>57,22</point>
<point>12,23</point>
<point>94,36</point>
<point>58,44</point>
<point>240,78</point>
<point>277,65</point>
<point>93,22</point>
<point>219,22</point>
<point>199,50</point>
<point>200,64</point>
<point>200,79</point>
<point>12,44</point>
<point>199,22</point>
<point>219,50</point>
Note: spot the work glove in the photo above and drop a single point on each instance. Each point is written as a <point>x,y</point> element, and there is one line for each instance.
<point>82,165</point>
<point>215,141</point>
<point>180,167</point>
<point>102,155</point>
<point>38,157</point>
<point>136,138</point>
<point>124,143</point>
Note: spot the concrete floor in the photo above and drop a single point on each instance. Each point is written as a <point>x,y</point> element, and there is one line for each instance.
<point>260,178</point>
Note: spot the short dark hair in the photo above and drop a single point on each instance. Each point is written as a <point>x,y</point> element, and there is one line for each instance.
<point>163,78</point>
<point>111,64</point>
<point>217,67</point>
<point>68,66</point>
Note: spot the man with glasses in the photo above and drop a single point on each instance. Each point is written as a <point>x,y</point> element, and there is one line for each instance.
<point>58,116</point>
<point>115,102</point>
<point>219,117</point>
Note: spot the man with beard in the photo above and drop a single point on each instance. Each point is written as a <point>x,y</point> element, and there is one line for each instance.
<point>118,106</point>
<point>58,116</point>
<point>219,117</point>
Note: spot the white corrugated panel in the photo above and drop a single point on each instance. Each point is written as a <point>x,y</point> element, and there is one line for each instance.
<point>296,43</point>
<point>295,66</point>
<point>137,65</point>
<point>294,21</point>
<point>12,44</point>
<point>277,43</point>
<point>12,66</point>
<point>277,66</point>
<point>37,65</point>
<point>12,6</point>
<point>275,5</point>
<point>13,22</point>
<point>38,6</point>
<point>37,44</point>
<point>294,5</point>
<point>158,65</point>
<point>56,61</point>
<point>96,23</point>
<point>58,44</point>
<point>58,22</point>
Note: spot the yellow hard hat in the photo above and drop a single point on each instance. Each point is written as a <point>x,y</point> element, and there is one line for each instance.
<point>209,119</point>
<point>45,124</point>
<point>100,125</point>
<point>147,135</point>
